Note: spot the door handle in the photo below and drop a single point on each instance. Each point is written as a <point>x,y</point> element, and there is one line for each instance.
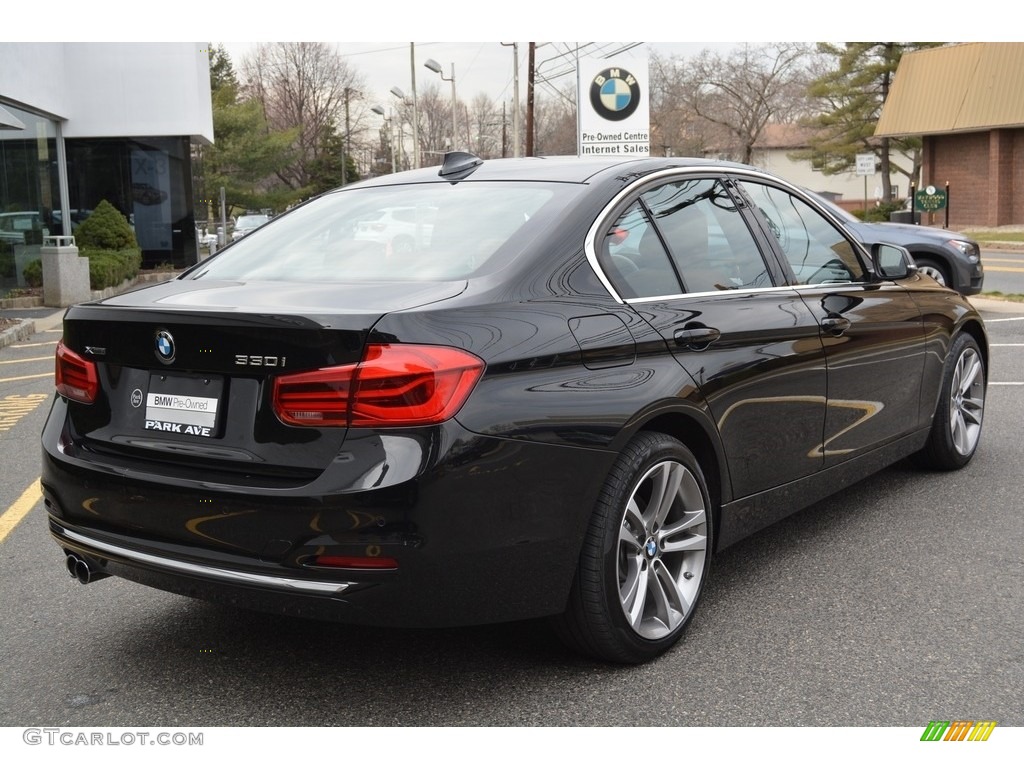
<point>835,325</point>
<point>697,337</point>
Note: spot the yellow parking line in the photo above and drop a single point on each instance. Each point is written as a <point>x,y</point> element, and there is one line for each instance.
<point>20,508</point>
<point>26,360</point>
<point>1003,269</point>
<point>32,376</point>
<point>34,344</point>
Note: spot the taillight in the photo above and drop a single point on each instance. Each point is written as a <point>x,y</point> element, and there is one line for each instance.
<point>395,385</point>
<point>76,377</point>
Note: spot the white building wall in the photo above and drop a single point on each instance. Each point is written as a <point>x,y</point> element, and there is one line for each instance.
<point>113,89</point>
<point>800,172</point>
<point>33,74</point>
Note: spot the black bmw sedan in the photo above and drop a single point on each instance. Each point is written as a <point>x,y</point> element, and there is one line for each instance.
<point>573,383</point>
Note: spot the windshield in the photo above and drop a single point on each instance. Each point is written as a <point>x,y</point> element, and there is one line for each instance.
<point>251,222</point>
<point>436,231</point>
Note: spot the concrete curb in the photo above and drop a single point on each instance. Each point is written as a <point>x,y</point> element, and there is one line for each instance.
<point>16,333</point>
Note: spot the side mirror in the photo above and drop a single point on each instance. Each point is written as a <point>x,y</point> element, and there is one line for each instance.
<point>892,262</point>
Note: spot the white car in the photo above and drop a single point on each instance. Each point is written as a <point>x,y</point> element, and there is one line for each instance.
<point>403,228</point>
<point>248,223</point>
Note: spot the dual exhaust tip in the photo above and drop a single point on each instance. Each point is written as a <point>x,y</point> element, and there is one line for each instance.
<point>81,569</point>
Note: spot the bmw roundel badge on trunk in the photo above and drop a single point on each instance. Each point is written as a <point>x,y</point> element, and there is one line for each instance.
<point>164,347</point>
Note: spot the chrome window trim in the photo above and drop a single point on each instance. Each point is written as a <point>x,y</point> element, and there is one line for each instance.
<point>741,292</point>
<point>203,571</point>
<point>736,174</point>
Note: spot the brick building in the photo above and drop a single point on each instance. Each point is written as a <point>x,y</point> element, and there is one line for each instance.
<point>967,103</point>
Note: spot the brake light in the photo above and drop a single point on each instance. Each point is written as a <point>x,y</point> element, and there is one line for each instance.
<point>395,385</point>
<point>76,378</point>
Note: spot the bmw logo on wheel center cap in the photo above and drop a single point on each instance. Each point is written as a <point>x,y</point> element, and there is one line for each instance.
<point>651,548</point>
<point>164,347</point>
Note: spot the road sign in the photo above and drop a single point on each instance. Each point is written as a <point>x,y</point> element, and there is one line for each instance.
<point>865,165</point>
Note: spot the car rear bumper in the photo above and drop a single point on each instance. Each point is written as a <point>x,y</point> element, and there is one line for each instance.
<point>488,531</point>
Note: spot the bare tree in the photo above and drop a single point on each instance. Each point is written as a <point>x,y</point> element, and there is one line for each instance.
<point>554,119</point>
<point>308,87</point>
<point>485,127</point>
<point>741,93</point>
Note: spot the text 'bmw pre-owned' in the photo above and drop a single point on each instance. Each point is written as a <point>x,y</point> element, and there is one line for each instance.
<point>558,388</point>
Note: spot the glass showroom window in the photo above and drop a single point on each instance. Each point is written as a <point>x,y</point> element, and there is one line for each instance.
<point>29,190</point>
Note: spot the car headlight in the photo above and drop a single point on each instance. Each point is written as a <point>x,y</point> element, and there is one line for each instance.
<point>967,248</point>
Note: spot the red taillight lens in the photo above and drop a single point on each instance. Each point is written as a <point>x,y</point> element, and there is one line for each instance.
<point>395,385</point>
<point>76,377</point>
<point>314,398</point>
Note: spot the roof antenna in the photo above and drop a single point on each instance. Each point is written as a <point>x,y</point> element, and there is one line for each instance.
<point>458,165</point>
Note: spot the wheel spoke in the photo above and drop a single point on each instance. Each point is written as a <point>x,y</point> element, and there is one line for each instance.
<point>632,533</point>
<point>972,409</point>
<point>633,593</point>
<point>670,605</point>
<point>664,490</point>
<point>970,371</point>
<point>678,537</point>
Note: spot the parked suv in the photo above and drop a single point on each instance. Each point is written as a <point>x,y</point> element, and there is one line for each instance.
<point>950,258</point>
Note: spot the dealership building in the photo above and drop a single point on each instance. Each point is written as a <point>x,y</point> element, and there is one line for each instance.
<point>85,122</point>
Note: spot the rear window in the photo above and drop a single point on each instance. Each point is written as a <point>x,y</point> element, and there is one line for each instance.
<point>409,232</point>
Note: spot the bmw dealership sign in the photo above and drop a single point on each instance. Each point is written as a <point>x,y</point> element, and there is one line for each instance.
<point>614,107</point>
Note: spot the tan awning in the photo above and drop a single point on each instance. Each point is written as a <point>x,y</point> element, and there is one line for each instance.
<point>955,89</point>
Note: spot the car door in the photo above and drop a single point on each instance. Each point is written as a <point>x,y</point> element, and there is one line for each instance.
<point>682,255</point>
<point>871,329</point>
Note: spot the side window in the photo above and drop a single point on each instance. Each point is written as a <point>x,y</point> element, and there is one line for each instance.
<point>634,259</point>
<point>817,251</point>
<point>711,246</point>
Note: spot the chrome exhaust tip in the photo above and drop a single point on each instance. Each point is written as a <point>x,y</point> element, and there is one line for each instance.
<point>79,568</point>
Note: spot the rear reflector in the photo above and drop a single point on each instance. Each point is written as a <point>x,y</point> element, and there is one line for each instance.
<point>366,563</point>
<point>76,378</point>
<point>395,385</point>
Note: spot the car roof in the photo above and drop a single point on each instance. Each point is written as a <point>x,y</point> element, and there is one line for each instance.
<point>570,169</point>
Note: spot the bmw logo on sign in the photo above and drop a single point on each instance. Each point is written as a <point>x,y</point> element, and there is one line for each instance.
<point>614,93</point>
<point>164,347</point>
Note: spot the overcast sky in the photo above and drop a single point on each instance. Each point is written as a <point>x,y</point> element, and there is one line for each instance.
<point>487,67</point>
<point>479,67</point>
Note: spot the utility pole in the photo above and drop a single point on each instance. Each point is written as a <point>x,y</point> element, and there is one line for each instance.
<point>504,132</point>
<point>529,100</point>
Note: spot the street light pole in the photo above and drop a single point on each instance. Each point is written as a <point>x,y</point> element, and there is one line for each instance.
<point>389,128</point>
<point>415,119</point>
<point>433,66</point>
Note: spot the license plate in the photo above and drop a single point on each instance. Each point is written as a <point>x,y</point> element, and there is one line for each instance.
<point>183,405</point>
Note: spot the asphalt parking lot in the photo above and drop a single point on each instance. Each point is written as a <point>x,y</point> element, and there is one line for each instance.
<point>895,602</point>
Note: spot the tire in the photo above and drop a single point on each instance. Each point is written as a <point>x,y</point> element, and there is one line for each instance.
<point>645,556</point>
<point>934,270</point>
<point>956,425</point>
